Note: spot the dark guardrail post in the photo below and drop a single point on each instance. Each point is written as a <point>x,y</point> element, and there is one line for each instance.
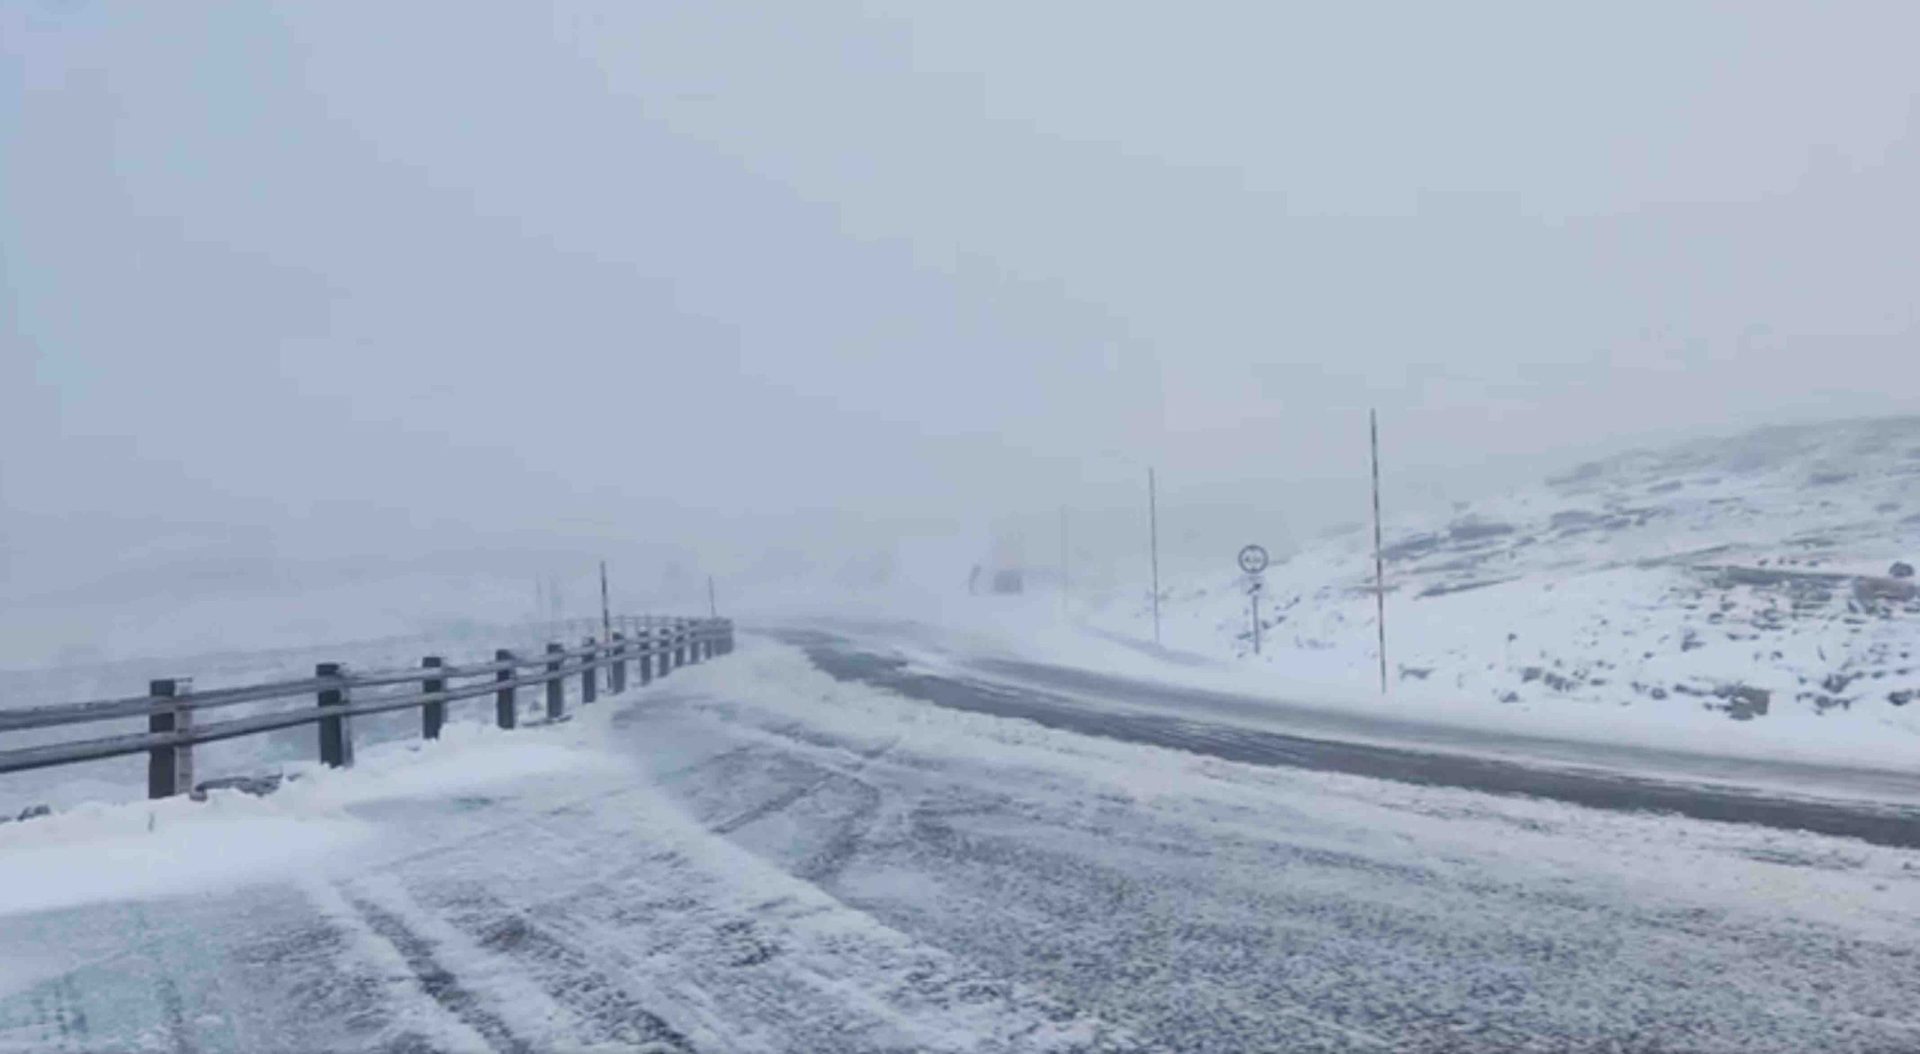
<point>619,666</point>
<point>556,683</point>
<point>336,732</point>
<point>505,713</point>
<point>589,674</point>
<point>170,768</point>
<point>695,633</point>
<point>433,716</point>
<point>645,636</point>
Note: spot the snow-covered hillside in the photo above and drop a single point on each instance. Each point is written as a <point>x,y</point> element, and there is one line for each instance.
<point>1748,575</point>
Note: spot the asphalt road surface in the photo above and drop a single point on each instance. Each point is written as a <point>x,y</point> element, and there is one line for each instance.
<point>1203,722</point>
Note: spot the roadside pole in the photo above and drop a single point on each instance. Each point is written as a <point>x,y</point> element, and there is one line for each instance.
<point>1153,545</point>
<point>713,606</point>
<point>1379,566</point>
<point>1064,608</point>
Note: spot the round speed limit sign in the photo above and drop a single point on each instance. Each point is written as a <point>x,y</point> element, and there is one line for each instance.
<point>1253,559</point>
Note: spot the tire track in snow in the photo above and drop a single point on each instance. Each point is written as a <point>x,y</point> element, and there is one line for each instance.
<point>437,981</point>
<point>625,906</point>
<point>172,1007</point>
<point>787,799</point>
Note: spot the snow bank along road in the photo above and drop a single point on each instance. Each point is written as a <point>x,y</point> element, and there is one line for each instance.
<point>761,857</point>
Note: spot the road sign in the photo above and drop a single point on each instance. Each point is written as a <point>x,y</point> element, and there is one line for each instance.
<point>1253,559</point>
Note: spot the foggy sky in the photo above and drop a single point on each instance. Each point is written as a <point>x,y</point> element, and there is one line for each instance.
<point>373,277</point>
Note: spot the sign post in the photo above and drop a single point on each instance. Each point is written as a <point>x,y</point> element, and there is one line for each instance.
<point>1153,536</point>
<point>1379,566</point>
<point>1253,561</point>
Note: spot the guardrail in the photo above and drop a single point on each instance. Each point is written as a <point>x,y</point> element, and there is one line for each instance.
<point>656,647</point>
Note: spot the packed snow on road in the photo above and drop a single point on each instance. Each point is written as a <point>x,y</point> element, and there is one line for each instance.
<point>756,856</point>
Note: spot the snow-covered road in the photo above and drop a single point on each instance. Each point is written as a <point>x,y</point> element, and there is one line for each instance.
<point>1875,804</point>
<point>755,856</point>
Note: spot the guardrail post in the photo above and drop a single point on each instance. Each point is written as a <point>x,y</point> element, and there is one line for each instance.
<point>505,713</point>
<point>695,632</point>
<point>679,643</point>
<point>336,732</point>
<point>556,685</point>
<point>619,663</point>
<point>170,768</point>
<point>589,674</point>
<point>645,665</point>
<point>433,715</point>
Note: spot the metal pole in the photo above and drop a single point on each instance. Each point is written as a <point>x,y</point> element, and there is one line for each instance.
<point>606,620</point>
<point>1063,560</point>
<point>1153,535</point>
<point>1379,565</point>
<point>713,607</point>
<point>1256,623</point>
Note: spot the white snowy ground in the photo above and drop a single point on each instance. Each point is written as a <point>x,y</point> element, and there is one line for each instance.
<point>1639,598</point>
<point>752,856</point>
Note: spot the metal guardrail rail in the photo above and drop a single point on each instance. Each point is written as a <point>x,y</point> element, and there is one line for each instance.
<point>655,646</point>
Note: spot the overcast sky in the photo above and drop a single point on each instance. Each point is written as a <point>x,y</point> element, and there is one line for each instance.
<point>443,268</point>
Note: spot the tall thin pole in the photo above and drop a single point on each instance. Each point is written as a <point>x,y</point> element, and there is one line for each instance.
<point>1064,580</point>
<point>1379,566</point>
<point>1153,536</point>
<point>606,616</point>
<point>713,607</point>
